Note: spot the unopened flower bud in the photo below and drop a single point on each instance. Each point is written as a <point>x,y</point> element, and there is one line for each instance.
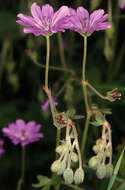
<point>109,170</point>
<point>113,95</point>
<point>74,157</point>
<point>101,171</point>
<point>68,175</point>
<point>61,168</point>
<point>61,148</point>
<point>108,153</point>
<point>93,162</point>
<point>79,176</point>
<point>55,166</point>
<point>95,148</point>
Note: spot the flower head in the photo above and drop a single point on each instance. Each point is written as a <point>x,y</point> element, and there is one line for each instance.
<point>122,4</point>
<point>47,103</point>
<point>43,20</point>
<point>86,24</point>
<point>22,133</point>
<point>2,151</point>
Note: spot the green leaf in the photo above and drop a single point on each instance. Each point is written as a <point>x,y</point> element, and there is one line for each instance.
<point>43,181</point>
<point>112,180</point>
<point>47,187</point>
<point>106,111</point>
<point>98,120</point>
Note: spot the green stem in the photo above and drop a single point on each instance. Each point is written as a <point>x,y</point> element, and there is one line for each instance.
<point>47,60</point>
<point>21,180</point>
<point>58,139</point>
<point>84,136</point>
<point>96,92</point>
<point>61,49</point>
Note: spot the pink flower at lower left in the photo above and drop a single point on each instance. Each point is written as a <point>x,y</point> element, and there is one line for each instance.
<point>23,133</point>
<point>2,151</point>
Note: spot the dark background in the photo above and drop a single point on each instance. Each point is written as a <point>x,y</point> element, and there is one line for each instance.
<point>21,94</point>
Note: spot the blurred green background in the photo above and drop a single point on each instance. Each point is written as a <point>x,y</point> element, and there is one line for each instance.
<point>21,81</point>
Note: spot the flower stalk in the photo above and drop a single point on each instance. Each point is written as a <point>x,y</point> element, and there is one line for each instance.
<point>21,180</point>
<point>84,136</point>
<point>47,60</point>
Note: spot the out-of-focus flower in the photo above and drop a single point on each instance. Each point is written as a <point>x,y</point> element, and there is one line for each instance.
<point>43,20</point>
<point>122,4</point>
<point>47,104</point>
<point>23,133</point>
<point>86,24</point>
<point>2,151</point>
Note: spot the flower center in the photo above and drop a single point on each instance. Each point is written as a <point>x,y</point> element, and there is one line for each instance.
<point>23,136</point>
<point>46,23</point>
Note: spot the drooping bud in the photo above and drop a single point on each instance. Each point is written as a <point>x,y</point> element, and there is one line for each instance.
<point>55,166</point>
<point>100,143</point>
<point>101,171</point>
<point>59,149</point>
<point>74,157</point>
<point>109,170</point>
<point>94,162</point>
<point>95,148</point>
<point>68,175</point>
<point>79,176</point>
<point>61,168</point>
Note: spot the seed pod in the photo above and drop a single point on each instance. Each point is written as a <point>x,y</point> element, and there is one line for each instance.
<point>100,144</point>
<point>101,171</point>
<point>109,170</point>
<point>95,148</point>
<point>94,162</point>
<point>79,176</point>
<point>55,166</point>
<point>68,175</point>
<point>62,168</point>
<point>59,149</point>
<point>74,157</point>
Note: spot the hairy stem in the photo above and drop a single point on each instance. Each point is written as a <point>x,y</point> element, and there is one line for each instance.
<point>47,60</point>
<point>85,132</point>
<point>21,180</point>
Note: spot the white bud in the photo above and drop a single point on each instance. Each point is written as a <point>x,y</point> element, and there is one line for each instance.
<point>62,168</point>
<point>74,157</point>
<point>79,176</point>
<point>55,166</point>
<point>93,162</point>
<point>68,175</point>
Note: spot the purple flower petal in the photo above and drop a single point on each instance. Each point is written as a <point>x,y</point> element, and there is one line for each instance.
<point>47,104</point>
<point>44,21</point>
<point>2,150</point>
<point>122,4</point>
<point>81,22</point>
<point>22,133</point>
<point>47,11</point>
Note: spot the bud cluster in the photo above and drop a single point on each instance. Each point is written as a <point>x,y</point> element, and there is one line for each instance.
<point>103,150</point>
<point>69,153</point>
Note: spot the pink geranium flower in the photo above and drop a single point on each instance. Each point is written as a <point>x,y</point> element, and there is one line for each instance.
<point>22,133</point>
<point>122,4</point>
<point>2,151</point>
<point>86,24</point>
<point>43,20</point>
<point>47,104</point>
